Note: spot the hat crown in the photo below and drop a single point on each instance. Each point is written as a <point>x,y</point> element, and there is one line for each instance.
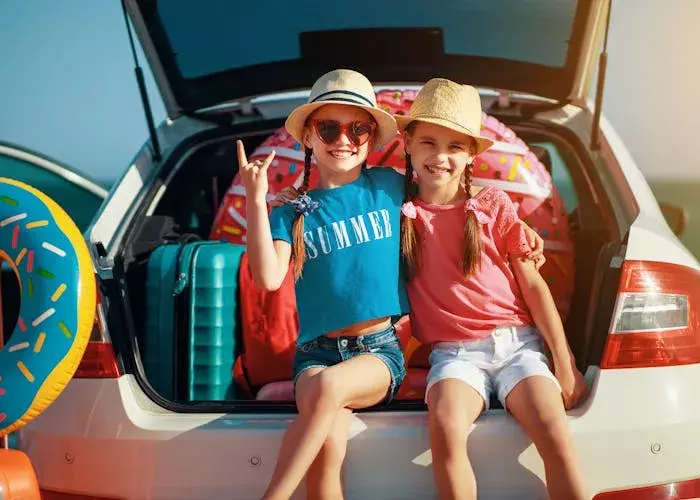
<point>343,84</point>
<point>347,87</point>
<point>446,100</point>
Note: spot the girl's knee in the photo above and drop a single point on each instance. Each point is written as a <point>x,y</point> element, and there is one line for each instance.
<point>320,393</point>
<point>444,422</point>
<point>448,440</point>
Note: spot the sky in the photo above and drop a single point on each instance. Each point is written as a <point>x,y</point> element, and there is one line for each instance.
<point>67,83</point>
<point>68,90</point>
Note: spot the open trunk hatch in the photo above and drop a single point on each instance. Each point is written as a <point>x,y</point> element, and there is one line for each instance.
<point>208,52</point>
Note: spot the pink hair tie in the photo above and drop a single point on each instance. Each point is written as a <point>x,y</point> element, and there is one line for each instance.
<point>409,210</point>
<point>472,206</point>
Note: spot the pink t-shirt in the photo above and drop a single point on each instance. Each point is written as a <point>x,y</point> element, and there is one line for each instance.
<point>445,305</point>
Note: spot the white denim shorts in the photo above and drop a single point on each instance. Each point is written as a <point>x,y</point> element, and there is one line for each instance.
<point>495,364</point>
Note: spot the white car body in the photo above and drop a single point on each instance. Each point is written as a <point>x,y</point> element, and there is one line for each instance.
<point>107,438</point>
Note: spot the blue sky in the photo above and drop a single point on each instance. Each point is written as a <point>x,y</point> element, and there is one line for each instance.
<point>67,84</point>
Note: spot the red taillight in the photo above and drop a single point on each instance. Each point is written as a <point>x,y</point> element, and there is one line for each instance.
<point>655,322</point>
<point>684,490</point>
<point>57,495</point>
<point>99,360</point>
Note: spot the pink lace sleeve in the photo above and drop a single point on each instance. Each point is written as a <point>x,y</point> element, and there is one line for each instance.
<point>508,226</point>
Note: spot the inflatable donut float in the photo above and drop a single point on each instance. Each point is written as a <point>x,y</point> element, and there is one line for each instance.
<point>52,264</point>
<point>509,165</point>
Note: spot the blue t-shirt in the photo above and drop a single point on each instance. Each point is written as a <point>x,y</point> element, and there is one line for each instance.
<point>352,268</point>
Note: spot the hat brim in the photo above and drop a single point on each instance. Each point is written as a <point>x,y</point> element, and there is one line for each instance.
<point>482,143</point>
<point>386,123</point>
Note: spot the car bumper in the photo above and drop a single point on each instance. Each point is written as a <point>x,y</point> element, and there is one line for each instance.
<point>104,437</point>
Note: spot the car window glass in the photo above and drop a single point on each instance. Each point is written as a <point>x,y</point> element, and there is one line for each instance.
<point>203,42</point>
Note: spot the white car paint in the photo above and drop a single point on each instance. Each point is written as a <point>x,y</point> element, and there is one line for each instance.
<point>104,438</point>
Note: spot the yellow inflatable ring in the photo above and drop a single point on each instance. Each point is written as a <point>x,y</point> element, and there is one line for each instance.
<point>47,252</point>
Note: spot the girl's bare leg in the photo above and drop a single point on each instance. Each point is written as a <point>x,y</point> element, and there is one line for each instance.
<point>324,478</point>
<point>359,382</point>
<point>537,405</point>
<point>453,406</point>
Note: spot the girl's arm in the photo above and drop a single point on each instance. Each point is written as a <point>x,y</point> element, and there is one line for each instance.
<point>542,308</point>
<point>268,259</point>
<point>546,317</point>
<point>532,285</point>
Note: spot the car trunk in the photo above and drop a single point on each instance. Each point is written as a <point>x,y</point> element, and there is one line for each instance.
<point>246,434</point>
<point>190,187</point>
<point>202,72</point>
<point>207,69</point>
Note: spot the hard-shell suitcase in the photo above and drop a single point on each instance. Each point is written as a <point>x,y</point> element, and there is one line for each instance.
<point>192,320</point>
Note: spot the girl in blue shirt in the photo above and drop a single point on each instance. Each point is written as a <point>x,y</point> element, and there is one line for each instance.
<point>343,238</point>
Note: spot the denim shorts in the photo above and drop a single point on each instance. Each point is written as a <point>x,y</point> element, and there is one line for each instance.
<point>325,352</point>
<point>493,365</point>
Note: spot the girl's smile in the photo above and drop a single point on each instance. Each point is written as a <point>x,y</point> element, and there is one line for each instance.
<point>342,154</point>
<point>438,170</point>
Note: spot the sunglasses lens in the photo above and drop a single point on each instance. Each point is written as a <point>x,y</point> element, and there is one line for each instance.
<point>360,132</point>
<point>328,130</point>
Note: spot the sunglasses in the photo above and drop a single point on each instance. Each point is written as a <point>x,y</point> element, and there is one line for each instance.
<point>357,131</point>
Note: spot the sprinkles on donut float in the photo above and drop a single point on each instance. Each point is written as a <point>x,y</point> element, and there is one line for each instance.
<point>50,259</point>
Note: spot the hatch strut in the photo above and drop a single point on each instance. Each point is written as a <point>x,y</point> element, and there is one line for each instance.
<point>144,94</point>
<point>602,66</point>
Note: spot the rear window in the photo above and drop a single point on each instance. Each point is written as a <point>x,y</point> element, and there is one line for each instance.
<point>210,36</point>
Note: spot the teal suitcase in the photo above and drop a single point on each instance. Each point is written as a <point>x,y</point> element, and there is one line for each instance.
<point>191,320</point>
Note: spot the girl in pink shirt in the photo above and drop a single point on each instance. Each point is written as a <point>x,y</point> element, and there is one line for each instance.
<point>478,300</point>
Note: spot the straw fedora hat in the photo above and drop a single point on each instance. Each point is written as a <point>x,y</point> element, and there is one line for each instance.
<point>449,104</point>
<point>343,86</point>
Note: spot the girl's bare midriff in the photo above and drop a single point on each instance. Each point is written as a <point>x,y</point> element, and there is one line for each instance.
<point>362,328</point>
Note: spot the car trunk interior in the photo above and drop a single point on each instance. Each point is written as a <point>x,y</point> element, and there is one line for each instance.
<point>198,174</point>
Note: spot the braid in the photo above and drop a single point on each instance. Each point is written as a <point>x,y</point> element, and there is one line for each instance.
<point>298,248</point>
<point>308,152</point>
<point>410,245</point>
<point>471,259</point>
<point>467,179</point>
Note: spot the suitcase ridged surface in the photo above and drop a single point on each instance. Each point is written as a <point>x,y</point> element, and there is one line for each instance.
<point>193,286</point>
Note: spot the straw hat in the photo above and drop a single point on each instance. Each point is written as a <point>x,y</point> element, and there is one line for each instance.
<point>343,86</point>
<point>449,104</point>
